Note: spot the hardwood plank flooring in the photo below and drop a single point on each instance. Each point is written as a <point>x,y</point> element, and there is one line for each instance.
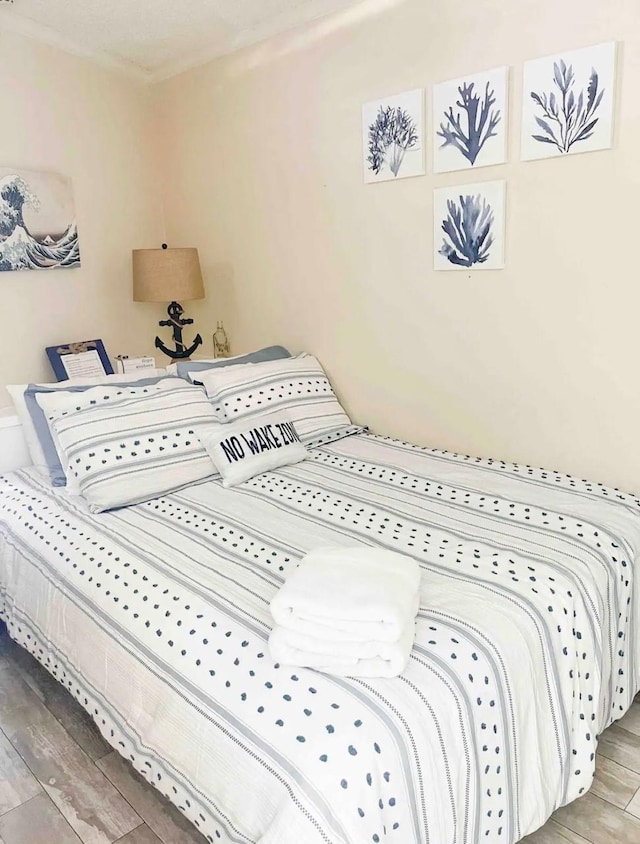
<point>35,822</point>
<point>622,747</point>
<point>614,783</point>
<point>17,783</point>
<point>160,815</point>
<point>602,822</point>
<point>631,721</point>
<point>86,798</point>
<point>140,835</point>
<point>553,833</point>
<point>76,721</point>
<point>61,783</point>
<point>58,774</point>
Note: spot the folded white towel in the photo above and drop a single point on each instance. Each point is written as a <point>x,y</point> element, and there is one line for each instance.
<point>334,651</point>
<point>356,659</point>
<point>357,594</point>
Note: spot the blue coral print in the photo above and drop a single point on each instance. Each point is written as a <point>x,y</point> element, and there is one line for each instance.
<point>391,134</point>
<point>567,119</point>
<point>468,230</point>
<point>473,122</point>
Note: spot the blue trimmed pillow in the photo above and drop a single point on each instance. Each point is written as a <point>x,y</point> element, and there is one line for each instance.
<point>130,449</point>
<point>51,462</point>
<point>187,368</point>
<point>36,432</point>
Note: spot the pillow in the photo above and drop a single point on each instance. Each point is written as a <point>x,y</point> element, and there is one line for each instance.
<point>45,405</point>
<point>243,451</point>
<point>297,386</point>
<point>186,368</point>
<point>35,428</point>
<point>129,450</point>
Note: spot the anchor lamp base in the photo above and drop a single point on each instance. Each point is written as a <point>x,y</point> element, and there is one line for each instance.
<point>176,322</point>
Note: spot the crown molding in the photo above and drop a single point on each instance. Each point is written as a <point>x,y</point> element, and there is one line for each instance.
<point>11,21</point>
<point>182,65</point>
<point>334,14</point>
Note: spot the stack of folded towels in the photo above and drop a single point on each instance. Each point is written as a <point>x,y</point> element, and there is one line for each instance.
<point>348,611</point>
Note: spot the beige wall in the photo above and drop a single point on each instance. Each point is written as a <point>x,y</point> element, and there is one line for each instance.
<point>536,363</point>
<point>258,159</point>
<point>65,114</point>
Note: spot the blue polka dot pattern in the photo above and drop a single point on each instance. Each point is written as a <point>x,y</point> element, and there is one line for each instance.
<point>297,386</point>
<point>523,652</point>
<point>129,448</point>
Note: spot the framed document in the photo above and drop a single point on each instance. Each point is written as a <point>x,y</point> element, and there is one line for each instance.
<point>86,359</point>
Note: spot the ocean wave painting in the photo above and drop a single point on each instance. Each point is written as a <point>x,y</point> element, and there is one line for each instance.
<point>37,222</point>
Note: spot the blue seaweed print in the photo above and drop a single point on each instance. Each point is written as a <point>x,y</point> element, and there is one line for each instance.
<point>479,117</point>
<point>468,230</point>
<point>567,119</point>
<point>19,249</point>
<point>391,134</point>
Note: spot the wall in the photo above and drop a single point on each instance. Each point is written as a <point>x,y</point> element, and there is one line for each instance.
<point>65,114</point>
<point>535,363</point>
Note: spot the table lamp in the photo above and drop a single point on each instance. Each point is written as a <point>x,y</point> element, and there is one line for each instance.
<point>166,275</point>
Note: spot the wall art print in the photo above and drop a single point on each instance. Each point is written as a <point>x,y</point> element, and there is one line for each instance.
<point>393,137</point>
<point>469,226</point>
<point>470,121</point>
<point>567,102</point>
<point>37,221</point>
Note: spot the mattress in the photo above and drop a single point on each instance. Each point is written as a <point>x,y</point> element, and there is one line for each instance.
<point>156,618</point>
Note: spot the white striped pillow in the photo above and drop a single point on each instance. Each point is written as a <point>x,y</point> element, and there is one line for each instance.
<point>131,449</point>
<point>297,386</point>
<point>63,402</point>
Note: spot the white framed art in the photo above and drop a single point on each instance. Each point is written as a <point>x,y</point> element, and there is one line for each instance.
<point>470,121</point>
<point>567,102</point>
<point>393,137</point>
<point>469,227</point>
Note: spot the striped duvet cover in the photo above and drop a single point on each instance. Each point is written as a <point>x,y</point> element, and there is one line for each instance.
<point>156,618</point>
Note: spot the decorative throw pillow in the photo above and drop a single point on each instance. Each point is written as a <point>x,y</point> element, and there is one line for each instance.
<point>129,450</point>
<point>243,451</point>
<point>297,386</point>
<point>46,405</point>
<point>36,432</point>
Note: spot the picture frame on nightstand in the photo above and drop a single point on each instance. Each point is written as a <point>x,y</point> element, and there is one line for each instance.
<point>86,359</point>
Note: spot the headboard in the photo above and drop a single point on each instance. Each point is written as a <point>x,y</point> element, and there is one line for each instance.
<point>13,447</point>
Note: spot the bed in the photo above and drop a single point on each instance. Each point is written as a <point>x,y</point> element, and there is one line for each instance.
<point>156,618</point>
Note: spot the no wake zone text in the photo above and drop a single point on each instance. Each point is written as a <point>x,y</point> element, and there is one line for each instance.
<point>258,440</point>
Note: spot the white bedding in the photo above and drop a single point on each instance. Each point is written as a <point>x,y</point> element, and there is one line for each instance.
<point>156,618</point>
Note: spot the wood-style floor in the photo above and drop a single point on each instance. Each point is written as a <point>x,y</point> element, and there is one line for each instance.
<point>61,783</point>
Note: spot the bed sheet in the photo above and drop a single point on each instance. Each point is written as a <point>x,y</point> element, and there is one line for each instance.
<point>156,617</point>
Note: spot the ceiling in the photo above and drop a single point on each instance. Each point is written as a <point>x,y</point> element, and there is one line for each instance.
<point>154,39</point>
